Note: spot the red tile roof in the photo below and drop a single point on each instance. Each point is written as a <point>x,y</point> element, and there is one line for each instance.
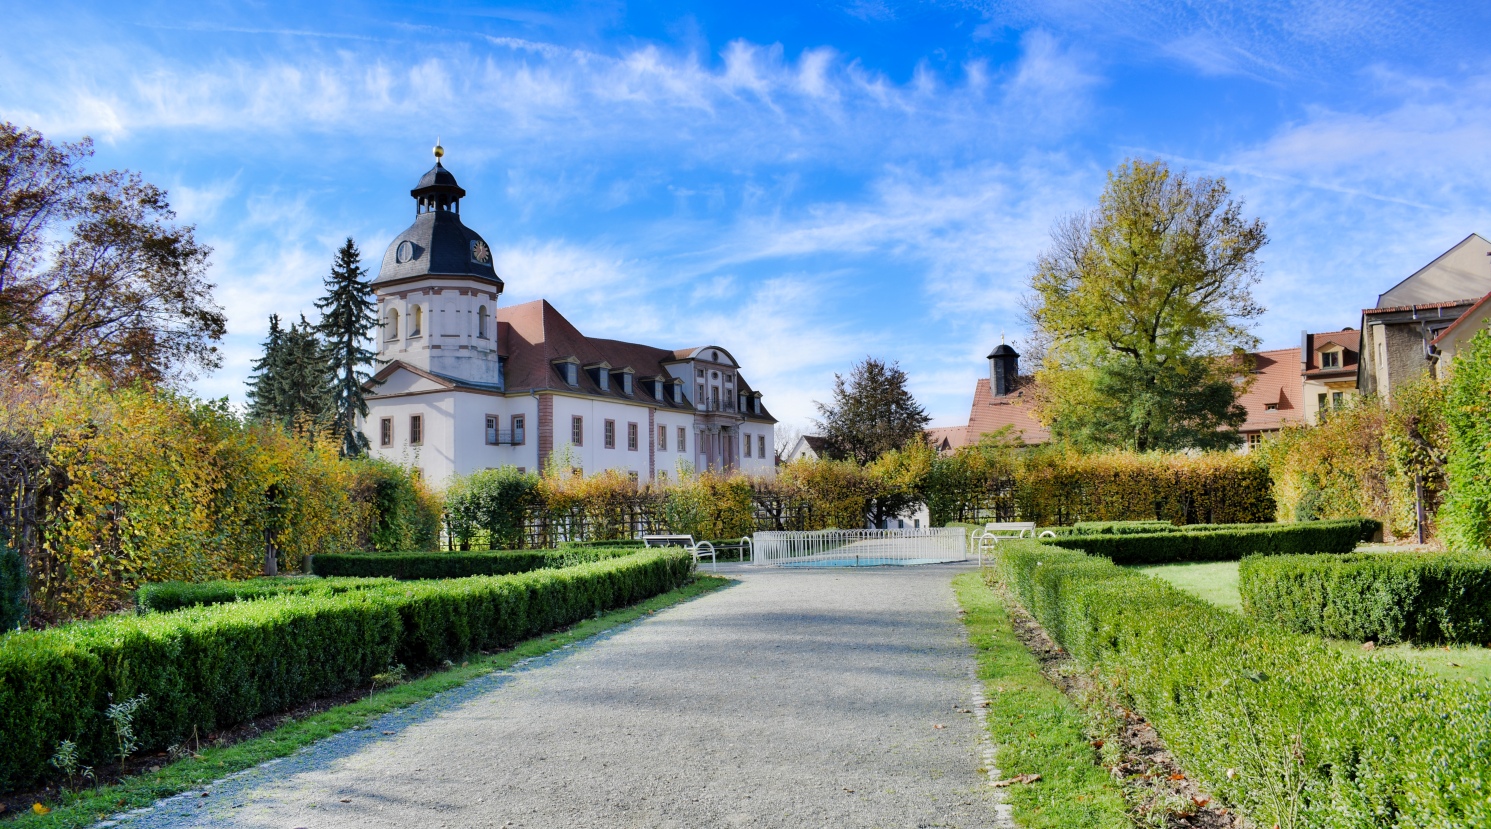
<point>991,413</point>
<point>1469,312</point>
<point>1276,380</point>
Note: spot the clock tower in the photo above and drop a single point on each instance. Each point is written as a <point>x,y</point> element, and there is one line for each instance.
<point>437,290</point>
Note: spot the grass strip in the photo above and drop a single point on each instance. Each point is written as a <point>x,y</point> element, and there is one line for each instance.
<point>1036,728</point>
<point>86,807</point>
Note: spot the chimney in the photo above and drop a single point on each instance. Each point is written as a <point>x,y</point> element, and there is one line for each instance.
<point>1304,350</point>
<point>1004,366</point>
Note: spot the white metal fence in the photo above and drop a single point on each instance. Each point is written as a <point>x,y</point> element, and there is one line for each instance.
<point>859,548</point>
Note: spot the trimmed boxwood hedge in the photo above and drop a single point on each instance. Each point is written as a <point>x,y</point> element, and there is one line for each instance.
<point>208,668</point>
<point>166,596</point>
<point>1124,527</point>
<point>408,566</point>
<point>1289,729</point>
<point>1427,598</point>
<point>1228,544</point>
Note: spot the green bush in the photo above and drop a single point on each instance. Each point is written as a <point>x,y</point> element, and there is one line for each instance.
<point>166,596</point>
<point>1427,598</point>
<point>624,542</point>
<point>410,566</point>
<point>1281,725</point>
<point>486,509</point>
<point>12,588</point>
<point>207,668</point>
<point>1228,544</point>
<point>1465,518</point>
<point>1124,527</point>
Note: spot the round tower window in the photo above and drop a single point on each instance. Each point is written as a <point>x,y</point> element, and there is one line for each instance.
<point>405,251</point>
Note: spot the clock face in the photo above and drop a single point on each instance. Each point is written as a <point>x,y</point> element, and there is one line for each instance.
<point>480,254</point>
<point>405,252</point>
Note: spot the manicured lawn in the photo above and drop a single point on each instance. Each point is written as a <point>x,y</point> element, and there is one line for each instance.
<point>1214,581</point>
<point>1217,583</point>
<point>91,805</point>
<point>1036,728</point>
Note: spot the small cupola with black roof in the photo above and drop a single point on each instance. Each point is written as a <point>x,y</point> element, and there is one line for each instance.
<point>437,189</point>
<point>1004,367</point>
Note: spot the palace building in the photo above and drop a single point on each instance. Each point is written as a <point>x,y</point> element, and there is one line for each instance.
<point>466,384</point>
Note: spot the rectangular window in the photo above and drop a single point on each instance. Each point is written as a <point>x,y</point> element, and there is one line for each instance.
<point>626,385</point>
<point>522,470</point>
<point>385,432</point>
<point>682,439</point>
<point>577,430</point>
<point>747,445</point>
<point>761,446</point>
<point>416,430</point>
<point>631,436</point>
<point>492,434</point>
<point>1255,439</point>
<point>519,431</point>
<point>610,434</point>
<point>1338,399</point>
<point>699,395</point>
<point>662,438</point>
<point>1320,398</point>
<point>1330,359</point>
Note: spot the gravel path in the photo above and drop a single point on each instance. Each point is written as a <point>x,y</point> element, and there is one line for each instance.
<point>788,699</point>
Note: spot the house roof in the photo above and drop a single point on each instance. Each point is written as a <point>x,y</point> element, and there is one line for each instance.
<point>947,437</point>
<point>533,335</point>
<point>1470,313</point>
<point>1349,340</point>
<point>1276,381</point>
<point>991,412</point>
<point>1461,271</point>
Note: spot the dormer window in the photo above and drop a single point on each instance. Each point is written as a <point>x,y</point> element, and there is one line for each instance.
<point>569,369</point>
<point>678,392</point>
<point>626,383</point>
<point>1330,359</point>
<point>1270,407</point>
<point>657,389</point>
<point>601,374</point>
<point>756,406</point>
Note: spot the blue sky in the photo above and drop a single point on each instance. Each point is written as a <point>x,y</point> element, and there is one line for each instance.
<point>802,182</point>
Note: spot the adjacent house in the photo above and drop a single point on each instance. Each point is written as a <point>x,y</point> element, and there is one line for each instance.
<point>1399,336</point>
<point>1453,339</point>
<point>811,447</point>
<point>469,385</point>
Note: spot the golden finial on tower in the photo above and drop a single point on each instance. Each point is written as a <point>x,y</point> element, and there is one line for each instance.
<point>439,150</point>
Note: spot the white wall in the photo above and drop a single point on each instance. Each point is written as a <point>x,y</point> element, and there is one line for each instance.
<point>592,456</point>
<point>435,457</point>
<point>470,426</point>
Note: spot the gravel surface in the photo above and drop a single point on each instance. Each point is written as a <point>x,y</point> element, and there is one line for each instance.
<point>791,698</point>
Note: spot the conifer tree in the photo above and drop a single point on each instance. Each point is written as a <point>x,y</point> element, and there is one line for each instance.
<point>348,318</point>
<point>306,383</point>
<point>264,385</point>
<point>872,413</point>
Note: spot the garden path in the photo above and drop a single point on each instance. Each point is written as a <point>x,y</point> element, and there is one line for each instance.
<point>787,699</point>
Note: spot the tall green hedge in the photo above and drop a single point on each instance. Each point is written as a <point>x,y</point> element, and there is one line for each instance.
<point>207,668</point>
<point>1281,725</point>
<point>166,596</point>
<point>409,566</point>
<point>1428,598</point>
<point>1124,527</point>
<point>1225,544</point>
<point>1465,518</point>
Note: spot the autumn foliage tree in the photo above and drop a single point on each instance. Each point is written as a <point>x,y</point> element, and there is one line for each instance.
<point>94,271</point>
<point>1142,306</point>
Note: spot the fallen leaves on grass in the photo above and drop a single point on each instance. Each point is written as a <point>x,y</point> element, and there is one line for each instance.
<point>1019,778</point>
<point>1367,646</point>
<point>40,809</point>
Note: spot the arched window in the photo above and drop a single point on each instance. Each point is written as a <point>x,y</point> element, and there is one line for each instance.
<point>393,324</point>
<point>481,322</point>
<point>416,318</point>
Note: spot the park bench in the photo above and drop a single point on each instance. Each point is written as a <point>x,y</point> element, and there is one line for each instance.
<point>997,531</point>
<point>699,549</point>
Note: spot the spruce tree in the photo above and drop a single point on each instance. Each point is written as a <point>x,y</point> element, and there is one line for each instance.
<point>307,395</point>
<point>264,385</point>
<point>348,318</point>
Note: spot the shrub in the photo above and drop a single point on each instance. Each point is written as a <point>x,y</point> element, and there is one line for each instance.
<point>1466,516</point>
<point>399,512</point>
<point>162,597</point>
<point>486,509</point>
<point>1290,730</point>
<point>410,566</point>
<point>208,668</point>
<point>1427,598</point>
<point>1224,544</point>
<point>1123,527</point>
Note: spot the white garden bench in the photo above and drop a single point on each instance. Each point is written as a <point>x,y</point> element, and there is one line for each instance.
<point>997,531</point>
<point>699,549</point>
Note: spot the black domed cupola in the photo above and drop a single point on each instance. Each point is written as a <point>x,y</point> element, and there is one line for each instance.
<point>437,244</point>
<point>437,189</point>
